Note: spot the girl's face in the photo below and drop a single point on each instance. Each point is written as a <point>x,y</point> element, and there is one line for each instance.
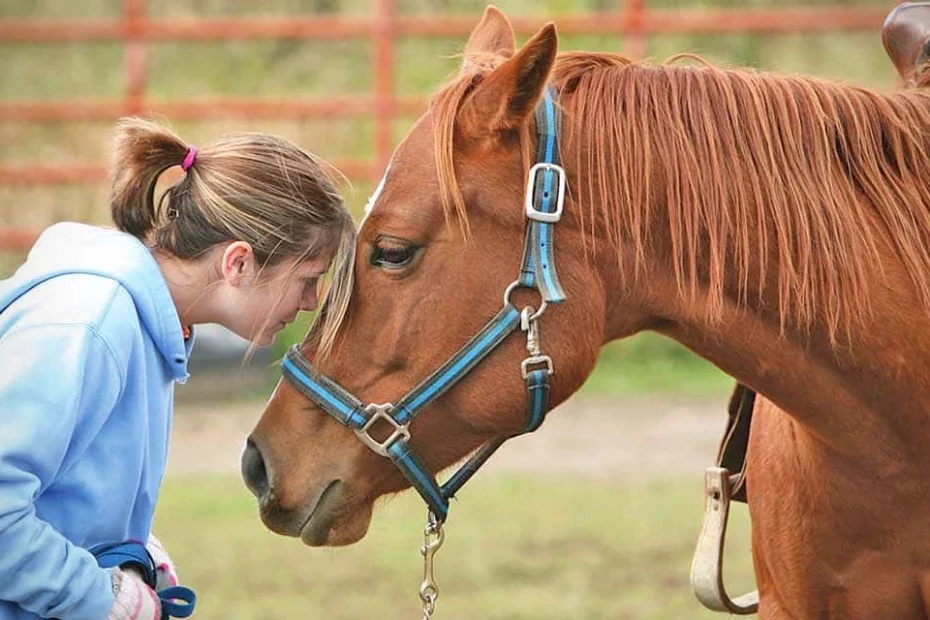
<point>262,302</point>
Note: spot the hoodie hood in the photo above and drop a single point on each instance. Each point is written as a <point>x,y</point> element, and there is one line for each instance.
<point>68,248</point>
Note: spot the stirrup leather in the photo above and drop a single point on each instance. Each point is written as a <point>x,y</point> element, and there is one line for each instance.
<point>707,566</point>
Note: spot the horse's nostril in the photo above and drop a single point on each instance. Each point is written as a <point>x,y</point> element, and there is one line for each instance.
<point>253,469</point>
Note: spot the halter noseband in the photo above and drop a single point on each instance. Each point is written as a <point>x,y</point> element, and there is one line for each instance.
<point>545,193</point>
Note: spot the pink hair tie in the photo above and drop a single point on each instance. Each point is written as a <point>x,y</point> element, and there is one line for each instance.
<point>189,158</point>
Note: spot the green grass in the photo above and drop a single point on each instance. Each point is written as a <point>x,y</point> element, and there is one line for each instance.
<point>516,547</point>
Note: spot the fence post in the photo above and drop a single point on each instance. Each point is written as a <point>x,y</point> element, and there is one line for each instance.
<point>134,54</point>
<point>382,63</point>
<point>635,31</point>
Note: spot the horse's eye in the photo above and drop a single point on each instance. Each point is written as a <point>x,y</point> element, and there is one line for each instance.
<point>393,256</point>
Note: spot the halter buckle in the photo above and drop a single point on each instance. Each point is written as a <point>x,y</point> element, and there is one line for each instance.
<point>531,211</point>
<point>533,360</point>
<point>382,412</point>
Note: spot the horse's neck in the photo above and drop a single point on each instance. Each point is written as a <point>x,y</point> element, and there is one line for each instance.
<point>879,385</point>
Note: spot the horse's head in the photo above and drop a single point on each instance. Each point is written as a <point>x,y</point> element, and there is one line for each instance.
<point>441,241</point>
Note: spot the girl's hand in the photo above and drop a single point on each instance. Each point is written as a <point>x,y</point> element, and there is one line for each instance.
<point>166,574</point>
<point>134,599</point>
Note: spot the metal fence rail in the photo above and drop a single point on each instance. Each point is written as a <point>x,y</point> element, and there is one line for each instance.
<point>384,26</point>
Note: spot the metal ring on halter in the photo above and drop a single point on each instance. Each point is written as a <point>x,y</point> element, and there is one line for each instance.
<point>516,284</point>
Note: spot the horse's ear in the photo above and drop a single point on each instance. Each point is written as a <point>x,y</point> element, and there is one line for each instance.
<point>492,36</point>
<point>509,94</point>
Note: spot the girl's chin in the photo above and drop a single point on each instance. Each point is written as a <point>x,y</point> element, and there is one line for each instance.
<point>267,336</point>
<point>264,340</point>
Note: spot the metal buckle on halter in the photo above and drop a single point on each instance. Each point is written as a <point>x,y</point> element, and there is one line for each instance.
<point>531,211</point>
<point>382,412</point>
<point>533,360</point>
<point>531,327</point>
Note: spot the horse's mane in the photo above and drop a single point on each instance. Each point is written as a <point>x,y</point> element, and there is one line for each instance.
<point>740,166</point>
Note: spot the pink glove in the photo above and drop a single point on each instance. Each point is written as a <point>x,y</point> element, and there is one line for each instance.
<point>134,599</point>
<point>166,574</point>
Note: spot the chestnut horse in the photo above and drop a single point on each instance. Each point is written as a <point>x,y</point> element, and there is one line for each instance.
<point>777,226</point>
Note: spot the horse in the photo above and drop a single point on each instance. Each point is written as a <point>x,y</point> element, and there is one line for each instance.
<point>777,226</point>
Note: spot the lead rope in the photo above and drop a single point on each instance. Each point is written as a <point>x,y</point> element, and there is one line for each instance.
<point>433,534</point>
<point>433,537</point>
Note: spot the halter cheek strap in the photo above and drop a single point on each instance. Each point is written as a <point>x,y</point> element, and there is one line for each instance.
<point>543,205</point>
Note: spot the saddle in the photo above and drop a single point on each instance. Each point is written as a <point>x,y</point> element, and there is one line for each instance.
<point>906,37</point>
<point>735,443</point>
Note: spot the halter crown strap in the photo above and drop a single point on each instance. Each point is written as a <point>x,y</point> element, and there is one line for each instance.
<point>545,197</point>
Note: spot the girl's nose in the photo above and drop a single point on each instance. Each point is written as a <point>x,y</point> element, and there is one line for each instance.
<point>309,301</point>
<point>310,298</point>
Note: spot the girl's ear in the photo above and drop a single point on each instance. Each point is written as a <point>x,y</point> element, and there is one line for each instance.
<point>237,262</point>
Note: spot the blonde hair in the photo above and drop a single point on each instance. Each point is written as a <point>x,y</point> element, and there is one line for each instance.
<point>252,187</point>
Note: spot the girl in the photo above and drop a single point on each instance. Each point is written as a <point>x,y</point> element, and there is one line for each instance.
<point>96,327</point>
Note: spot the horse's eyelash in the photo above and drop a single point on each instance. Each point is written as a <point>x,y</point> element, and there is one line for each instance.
<point>406,251</point>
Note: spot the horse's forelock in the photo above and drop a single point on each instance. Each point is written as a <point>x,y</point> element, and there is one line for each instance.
<point>444,109</point>
<point>336,304</point>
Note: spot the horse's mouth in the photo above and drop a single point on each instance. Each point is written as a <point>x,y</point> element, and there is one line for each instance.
<point>336,521</point>
<point>293,521</point>
<point>316,528</point>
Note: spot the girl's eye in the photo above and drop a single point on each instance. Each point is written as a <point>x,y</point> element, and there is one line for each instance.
<point>394,256</point>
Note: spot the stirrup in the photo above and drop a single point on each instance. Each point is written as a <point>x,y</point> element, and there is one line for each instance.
<point>707,566</point>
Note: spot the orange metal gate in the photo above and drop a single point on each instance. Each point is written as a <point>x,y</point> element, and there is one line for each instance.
<point>384,26</point>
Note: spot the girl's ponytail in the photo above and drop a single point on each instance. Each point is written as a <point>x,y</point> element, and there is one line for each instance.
<point>141,151</point>
<point>252,187</point>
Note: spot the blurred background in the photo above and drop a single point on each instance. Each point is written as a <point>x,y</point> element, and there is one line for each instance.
<point>594,516</point>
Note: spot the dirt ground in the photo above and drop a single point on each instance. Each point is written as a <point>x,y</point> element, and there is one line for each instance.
<point>593,436</point>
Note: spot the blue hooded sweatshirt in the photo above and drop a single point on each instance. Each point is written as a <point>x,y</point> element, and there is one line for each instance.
<point>90,347</point>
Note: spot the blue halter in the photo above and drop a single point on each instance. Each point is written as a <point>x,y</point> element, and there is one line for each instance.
<point>545,193</point>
